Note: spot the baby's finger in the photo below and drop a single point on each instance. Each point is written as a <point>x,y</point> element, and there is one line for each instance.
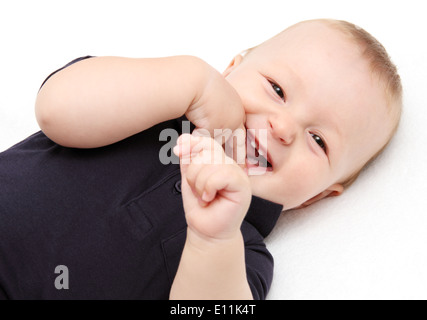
<point>214,184</point>
<point>183,145</point>
<point>226,181</point>
<point>191,145</point>
<point>190,148</point>
<point>203,176</point>
<point>235,147</point>
<point>187,148</point>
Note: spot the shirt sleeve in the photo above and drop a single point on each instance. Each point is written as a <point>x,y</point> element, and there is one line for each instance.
<point>67,65</point>
<point>259,262</point>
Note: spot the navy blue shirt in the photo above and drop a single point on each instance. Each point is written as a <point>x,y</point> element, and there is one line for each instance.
<point>112,215</point>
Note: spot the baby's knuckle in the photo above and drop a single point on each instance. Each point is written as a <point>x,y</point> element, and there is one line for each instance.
<point>191,172</point>
<point>199,184</point>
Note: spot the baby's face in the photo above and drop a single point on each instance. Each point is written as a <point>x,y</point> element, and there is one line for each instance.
<point>323,111</point>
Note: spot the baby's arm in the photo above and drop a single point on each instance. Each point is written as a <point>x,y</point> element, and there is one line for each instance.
<point>216,198</point>
<point>99,101</point>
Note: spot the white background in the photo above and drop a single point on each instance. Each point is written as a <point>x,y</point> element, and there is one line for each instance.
<point>370,242</point>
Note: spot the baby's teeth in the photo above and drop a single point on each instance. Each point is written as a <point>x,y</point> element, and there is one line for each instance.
<point>253,144</point>
<point>261,153</point>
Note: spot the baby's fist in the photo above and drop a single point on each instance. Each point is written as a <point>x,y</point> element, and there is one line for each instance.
<point>216,191</point>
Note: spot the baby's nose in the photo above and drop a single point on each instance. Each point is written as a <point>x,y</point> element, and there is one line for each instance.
<point>283,130</point>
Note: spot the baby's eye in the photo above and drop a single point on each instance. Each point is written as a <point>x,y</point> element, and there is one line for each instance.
<point>278,90</point>
<point>319,141</point>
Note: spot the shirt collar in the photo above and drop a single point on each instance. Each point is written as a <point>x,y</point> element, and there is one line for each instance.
<point>263,215</point>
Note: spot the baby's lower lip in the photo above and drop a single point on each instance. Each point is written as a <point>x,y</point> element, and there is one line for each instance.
<point>255,169</point>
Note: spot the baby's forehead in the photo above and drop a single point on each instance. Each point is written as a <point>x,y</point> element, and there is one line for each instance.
<point>314,54</point>
<point>311,36</point>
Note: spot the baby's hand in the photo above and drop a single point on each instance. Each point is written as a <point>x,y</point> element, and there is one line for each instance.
<point>216,191</point>
<point>217,105</point>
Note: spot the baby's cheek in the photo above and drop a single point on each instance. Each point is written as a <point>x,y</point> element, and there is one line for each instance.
<point>249,105</point>
<point>306,181</point>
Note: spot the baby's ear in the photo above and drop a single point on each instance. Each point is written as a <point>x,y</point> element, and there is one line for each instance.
<point>233,64</point>
<point>332,191</point>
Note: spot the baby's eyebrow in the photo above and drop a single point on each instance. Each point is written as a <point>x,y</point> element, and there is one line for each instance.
<point>336,128</point>
<point>294,78</point>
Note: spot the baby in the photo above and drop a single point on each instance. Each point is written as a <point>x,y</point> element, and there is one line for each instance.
<point>318,101</point>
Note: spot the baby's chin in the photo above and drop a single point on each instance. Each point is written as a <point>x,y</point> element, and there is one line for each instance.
<point>259,186</point>
<point>259,189</point>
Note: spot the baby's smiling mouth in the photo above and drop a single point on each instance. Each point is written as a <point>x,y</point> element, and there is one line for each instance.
<point>257,157</point>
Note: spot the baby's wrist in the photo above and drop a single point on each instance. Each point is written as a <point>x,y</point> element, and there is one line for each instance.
<point>203,73</point>
<point>200,241</point>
